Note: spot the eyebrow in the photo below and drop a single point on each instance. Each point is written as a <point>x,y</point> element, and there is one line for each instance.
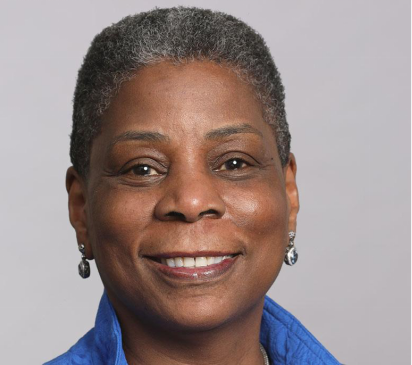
<point>140,136</point>
<point>214,134</point>
<point>228,131</point>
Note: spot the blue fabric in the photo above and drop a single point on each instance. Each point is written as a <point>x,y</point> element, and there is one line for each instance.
<point>285,339</point>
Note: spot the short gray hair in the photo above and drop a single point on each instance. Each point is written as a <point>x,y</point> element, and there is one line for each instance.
<point>179,34</point>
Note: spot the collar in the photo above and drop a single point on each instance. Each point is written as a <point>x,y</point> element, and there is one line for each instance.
<point>285,339</point>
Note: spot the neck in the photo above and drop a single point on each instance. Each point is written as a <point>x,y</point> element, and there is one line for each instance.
<point>234,342</point>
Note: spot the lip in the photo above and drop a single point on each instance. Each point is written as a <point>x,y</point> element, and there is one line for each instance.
<point>168,255</point>
<point>207,273</point>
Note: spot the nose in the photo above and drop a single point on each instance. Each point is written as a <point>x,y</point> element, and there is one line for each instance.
<point>190,198</point>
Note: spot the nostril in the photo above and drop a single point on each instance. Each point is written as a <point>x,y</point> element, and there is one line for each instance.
<point>173,215</point>
<point>207,212</point>
<point>176,215</point>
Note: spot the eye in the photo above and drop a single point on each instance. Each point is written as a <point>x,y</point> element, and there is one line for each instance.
<point>143,170</point>
<point>233,164</point>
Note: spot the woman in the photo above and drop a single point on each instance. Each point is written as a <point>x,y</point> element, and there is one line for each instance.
<point>183,191</point>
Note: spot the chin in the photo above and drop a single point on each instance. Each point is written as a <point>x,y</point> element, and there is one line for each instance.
<point>202,313</point>
<point>201,317</point>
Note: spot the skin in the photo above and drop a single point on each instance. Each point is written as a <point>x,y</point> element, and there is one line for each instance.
<point>189,196</point>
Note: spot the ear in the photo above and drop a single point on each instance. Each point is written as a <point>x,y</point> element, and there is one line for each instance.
<point>292,191</point>
<point>76,188</point>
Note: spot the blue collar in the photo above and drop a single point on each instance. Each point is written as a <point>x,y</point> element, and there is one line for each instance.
<point>287,341</point>
<point>283,336</point>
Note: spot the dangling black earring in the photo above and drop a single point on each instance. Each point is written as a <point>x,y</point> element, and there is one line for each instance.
<point>291,255</point>
<point>84,267</point>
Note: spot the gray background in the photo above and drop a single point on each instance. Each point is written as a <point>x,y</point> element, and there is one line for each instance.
<point>346,68</point>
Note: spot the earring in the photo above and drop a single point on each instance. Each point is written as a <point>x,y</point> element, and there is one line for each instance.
<point>84,267</point>
<point>291,255</point>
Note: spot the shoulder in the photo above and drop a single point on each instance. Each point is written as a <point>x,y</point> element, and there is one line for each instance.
<point>78,354</point>
<point>288,341</point>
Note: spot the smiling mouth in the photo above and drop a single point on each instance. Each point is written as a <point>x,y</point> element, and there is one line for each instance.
<point>191,261</point>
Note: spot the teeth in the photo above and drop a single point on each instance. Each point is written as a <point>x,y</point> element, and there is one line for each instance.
<point>201,261</point>
<point>218,259</point>
<point>188,261</point>
<point>210,260</point>
<point>178,261</point>
<point>194,261</point>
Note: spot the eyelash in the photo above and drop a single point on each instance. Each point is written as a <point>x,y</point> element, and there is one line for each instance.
<point>242,162</point>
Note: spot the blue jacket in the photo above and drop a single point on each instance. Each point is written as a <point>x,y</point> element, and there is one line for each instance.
<point>285,339</point>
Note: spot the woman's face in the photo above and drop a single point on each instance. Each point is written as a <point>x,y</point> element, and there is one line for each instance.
<point>185,166</point>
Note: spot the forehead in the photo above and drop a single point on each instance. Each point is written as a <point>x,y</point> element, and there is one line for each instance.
<point>191,98</point>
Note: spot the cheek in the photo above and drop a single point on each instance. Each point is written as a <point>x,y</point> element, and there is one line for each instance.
<point>116,217</point>
<point>261,213</point>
